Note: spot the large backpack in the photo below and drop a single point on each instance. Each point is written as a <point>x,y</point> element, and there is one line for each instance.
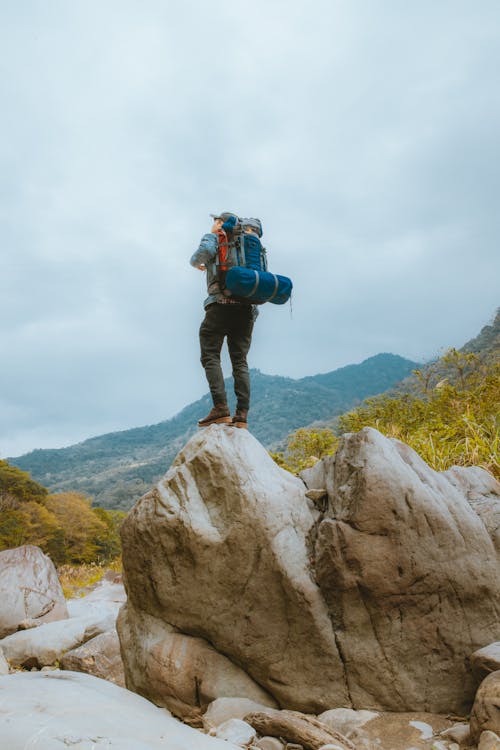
<point>241,267</point>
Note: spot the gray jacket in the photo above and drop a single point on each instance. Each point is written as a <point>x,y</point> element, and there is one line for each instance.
<point>206,254</point>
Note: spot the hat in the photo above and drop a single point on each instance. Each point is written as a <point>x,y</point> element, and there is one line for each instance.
<point>253,223</point>
<point>225,215</point>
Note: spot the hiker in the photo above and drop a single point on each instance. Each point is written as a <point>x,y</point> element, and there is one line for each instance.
<point>225,317</point>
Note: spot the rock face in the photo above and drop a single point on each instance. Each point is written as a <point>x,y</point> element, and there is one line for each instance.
<point>220,550</point>
<point>374,603</point>
<point>29,589</point>
<point>54,710</point>
<point>410,575</point>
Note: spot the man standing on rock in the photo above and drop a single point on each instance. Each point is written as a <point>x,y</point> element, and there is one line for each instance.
<point>224,318</point>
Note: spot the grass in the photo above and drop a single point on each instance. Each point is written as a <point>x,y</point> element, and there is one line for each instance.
<point>76,580</point>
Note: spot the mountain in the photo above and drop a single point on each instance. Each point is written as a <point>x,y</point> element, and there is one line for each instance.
<point>487,342</point>
<point>117,468</point>
<point>450,367</point>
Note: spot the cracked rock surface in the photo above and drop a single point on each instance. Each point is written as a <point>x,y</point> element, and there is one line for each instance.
<point>374,603</point>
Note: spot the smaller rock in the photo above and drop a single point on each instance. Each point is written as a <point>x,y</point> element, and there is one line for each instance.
<point>270,743</point>
<point>4,665</point>
<point>319,498</point>
<point>489,741</point>
<point>46,644</point>
<point>346,721</point>
<point>100,656</point>
<point>486,660</point>
<point>236,731</point>
<point>223,709</point>
<point>458,733</point>
<point>485,713</point>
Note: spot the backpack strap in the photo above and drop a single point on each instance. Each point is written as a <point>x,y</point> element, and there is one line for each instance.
<point>222,251</point>
<point>242,259</point>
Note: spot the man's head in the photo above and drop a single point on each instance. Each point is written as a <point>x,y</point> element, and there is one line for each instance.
<point>226,220</point>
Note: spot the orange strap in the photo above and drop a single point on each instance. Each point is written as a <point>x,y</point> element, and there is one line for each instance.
<point>222,250</point>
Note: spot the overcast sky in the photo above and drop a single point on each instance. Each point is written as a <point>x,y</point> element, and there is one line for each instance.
<point>364,134</point>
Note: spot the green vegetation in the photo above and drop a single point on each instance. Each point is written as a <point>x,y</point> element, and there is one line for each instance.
<point>450,417</point>
<point>64,525</point>
<point>76,580</point>
<point>453,418</point>
<point>304,448</point>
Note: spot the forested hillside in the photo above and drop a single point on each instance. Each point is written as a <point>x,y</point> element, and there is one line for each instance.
<point>117,468</point>
<point>64,525</point>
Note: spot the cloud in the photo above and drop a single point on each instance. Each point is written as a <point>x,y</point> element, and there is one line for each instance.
<point>365,136</point>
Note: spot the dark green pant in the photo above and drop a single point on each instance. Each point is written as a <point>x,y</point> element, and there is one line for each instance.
<point>236,323</point>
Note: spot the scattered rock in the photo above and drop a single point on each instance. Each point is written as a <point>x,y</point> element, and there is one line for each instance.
<point>51,710</point>
<point>486,660</point>
<point>298,728</point>
<point>29,589</point>
<point>485,713</point>
<point>401,731</point>
<point>457,733</point>
<point>489,741</point>
<point>45,645</point>
<point>223,709</point>
<point>236,731</point>
<point>100,657</point>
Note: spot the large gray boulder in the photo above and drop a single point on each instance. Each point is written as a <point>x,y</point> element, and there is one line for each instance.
<point>30,591</point>
<point>374,603</point>
<point>54,710</point>
<point>220,550</point>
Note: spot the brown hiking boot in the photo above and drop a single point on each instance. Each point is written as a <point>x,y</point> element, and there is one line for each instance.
<point>219,415</point>
<point>240,418</point>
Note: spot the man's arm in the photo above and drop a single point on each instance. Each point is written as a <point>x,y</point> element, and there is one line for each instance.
<point>206,252</point>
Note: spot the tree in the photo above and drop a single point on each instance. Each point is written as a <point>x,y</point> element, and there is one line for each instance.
<point>17,485</point>
<point>81,527</point>
<point>304,448</point>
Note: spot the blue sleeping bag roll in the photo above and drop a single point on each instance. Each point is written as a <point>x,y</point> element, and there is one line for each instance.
<point>258,287</point>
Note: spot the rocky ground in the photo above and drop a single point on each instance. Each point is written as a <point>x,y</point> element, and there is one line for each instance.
<point>355,608</point>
